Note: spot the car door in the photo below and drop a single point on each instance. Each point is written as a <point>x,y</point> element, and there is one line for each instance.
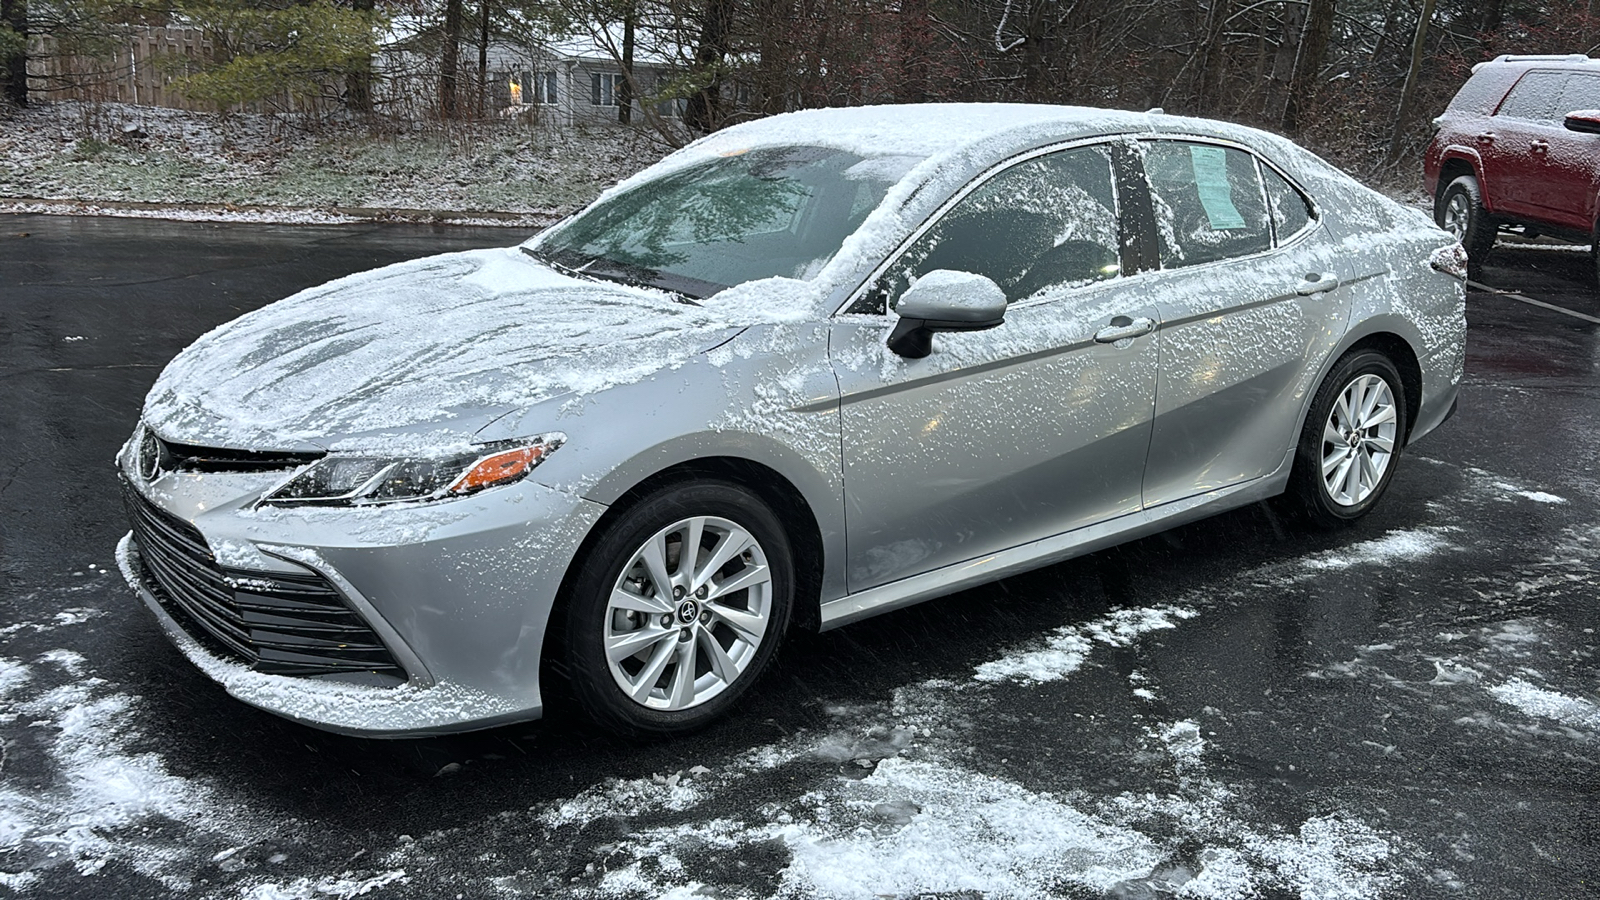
<point>1516,143</point>
<point>1005,436</point>
<point>1250,302</point>
<point>1571,165</point>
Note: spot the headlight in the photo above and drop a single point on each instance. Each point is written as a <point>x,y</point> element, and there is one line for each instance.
<point>346,480</point>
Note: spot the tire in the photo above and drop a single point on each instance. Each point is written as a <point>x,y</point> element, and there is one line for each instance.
<point>1459,210</point>
<point>1594,252</point>
<point>693,656</point>
<point>1346,457</point>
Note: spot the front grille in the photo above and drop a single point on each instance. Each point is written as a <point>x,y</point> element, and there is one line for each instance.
<point>275,623</point>
<point>156,455</point>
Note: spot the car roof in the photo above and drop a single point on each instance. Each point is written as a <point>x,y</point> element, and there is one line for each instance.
<point>1532,60</point>
<point>952,141</point>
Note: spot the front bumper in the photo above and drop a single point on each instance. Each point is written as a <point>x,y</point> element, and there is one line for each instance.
<point>457,593</point>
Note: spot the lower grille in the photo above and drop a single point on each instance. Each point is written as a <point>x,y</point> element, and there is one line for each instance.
<point>275,623</point>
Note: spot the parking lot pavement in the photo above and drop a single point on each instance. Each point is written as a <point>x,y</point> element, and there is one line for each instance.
<point>1407,708</point>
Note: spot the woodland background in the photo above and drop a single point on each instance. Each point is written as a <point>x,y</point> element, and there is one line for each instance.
<point>1356,80</point>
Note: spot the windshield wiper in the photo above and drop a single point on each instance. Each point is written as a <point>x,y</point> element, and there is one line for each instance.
<point>599,268</point>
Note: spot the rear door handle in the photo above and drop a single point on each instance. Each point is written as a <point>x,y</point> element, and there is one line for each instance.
<point>1122,328</point>
<point>1486,138</point>
<point>1317,283</point>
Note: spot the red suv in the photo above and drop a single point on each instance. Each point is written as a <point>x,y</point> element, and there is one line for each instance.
<point>1519,146</point>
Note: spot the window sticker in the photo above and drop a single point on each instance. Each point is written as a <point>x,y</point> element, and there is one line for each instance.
<point>1211,181</point>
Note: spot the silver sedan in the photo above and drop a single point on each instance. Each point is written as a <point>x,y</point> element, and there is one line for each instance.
<point>804,371</point>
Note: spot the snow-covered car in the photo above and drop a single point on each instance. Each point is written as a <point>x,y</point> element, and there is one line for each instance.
<point>804,371</point>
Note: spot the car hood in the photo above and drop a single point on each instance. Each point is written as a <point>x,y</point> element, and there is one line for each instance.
<point>451,341</point>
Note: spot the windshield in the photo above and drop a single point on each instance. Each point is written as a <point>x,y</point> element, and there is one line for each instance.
<point>777,211</point>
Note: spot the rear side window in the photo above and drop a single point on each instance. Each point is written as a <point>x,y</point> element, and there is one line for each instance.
<point>1582,91</point>
<point>1536,97</point>
<point>1483,90</point>
<point>1208,202</point>
<point>1291,213</point>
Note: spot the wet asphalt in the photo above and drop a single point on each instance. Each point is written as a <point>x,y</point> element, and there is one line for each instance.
<point>1404,708</point>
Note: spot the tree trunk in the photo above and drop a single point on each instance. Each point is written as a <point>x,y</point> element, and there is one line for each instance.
<point>483,56</point>
<point>449,61</point>
<point>1208,84</point>
<point>359,96</point>
<point>15,74</point>
<point>1294,20</point>
<point>1408,94</point>
<point>914,48</point>
<point>704,109</point>
<point>1308,64</point>
<point>625,90</point>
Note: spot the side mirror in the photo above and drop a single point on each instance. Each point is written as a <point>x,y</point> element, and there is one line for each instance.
<point>943,300</point>
<point>1586,121</point>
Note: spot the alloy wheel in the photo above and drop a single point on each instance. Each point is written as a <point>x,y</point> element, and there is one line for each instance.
<point>688,614</point>
<point>1358,440</point>
<point>1457,215</point>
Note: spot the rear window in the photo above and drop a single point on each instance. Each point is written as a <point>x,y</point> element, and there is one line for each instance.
<point>1483,90</point>
<point>1536,97</point>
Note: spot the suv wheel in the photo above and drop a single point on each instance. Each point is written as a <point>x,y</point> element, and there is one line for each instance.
<point>1459,210</point>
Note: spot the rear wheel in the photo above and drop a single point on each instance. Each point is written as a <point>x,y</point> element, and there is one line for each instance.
<point>1459,210</point>
<point>1351,441</point>
<point>679,606</point>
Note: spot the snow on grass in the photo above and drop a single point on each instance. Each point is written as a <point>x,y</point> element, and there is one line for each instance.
<point>1575,712</point>
<point>1067,647</point>
<point>70,151</point>
<point>1395,546</point>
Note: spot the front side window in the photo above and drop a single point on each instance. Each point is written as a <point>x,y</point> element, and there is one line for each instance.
<point>1582,91</point>
<point>1208,202</point>
<point>1048,222</point>
<point>1536,98</point>
<point>776,211</point>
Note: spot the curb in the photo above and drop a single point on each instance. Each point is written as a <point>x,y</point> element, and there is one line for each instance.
<point>288,215</point>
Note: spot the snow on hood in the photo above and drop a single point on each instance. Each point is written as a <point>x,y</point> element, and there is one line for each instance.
<point>457,338</point>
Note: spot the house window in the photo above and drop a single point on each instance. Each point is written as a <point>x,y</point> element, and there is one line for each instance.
<point>544,87</point>
<point>604,87</point>
<point>671,107</point>
<point>532,87</point>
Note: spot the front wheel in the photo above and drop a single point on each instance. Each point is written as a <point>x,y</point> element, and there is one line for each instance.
<point>1459,210</point>
<point>678,607</point>
<point>1351,441</point>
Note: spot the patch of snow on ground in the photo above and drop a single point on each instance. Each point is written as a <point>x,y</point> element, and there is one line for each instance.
<point>1576,712</point>
<point>1067,647</point>
<point>1332,858</point>
<point>343,887</point>
<point>1396,546</point>
<point>972,833</point>
<point>1535,496</point>
<point>13,675</point>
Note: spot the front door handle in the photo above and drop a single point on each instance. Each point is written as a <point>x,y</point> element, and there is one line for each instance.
<point>1539,148</point>
<point>1317,283</point>
<point>1122,328</point>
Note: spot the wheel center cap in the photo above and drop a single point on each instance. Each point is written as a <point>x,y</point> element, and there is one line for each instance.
<point>688,611</point>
